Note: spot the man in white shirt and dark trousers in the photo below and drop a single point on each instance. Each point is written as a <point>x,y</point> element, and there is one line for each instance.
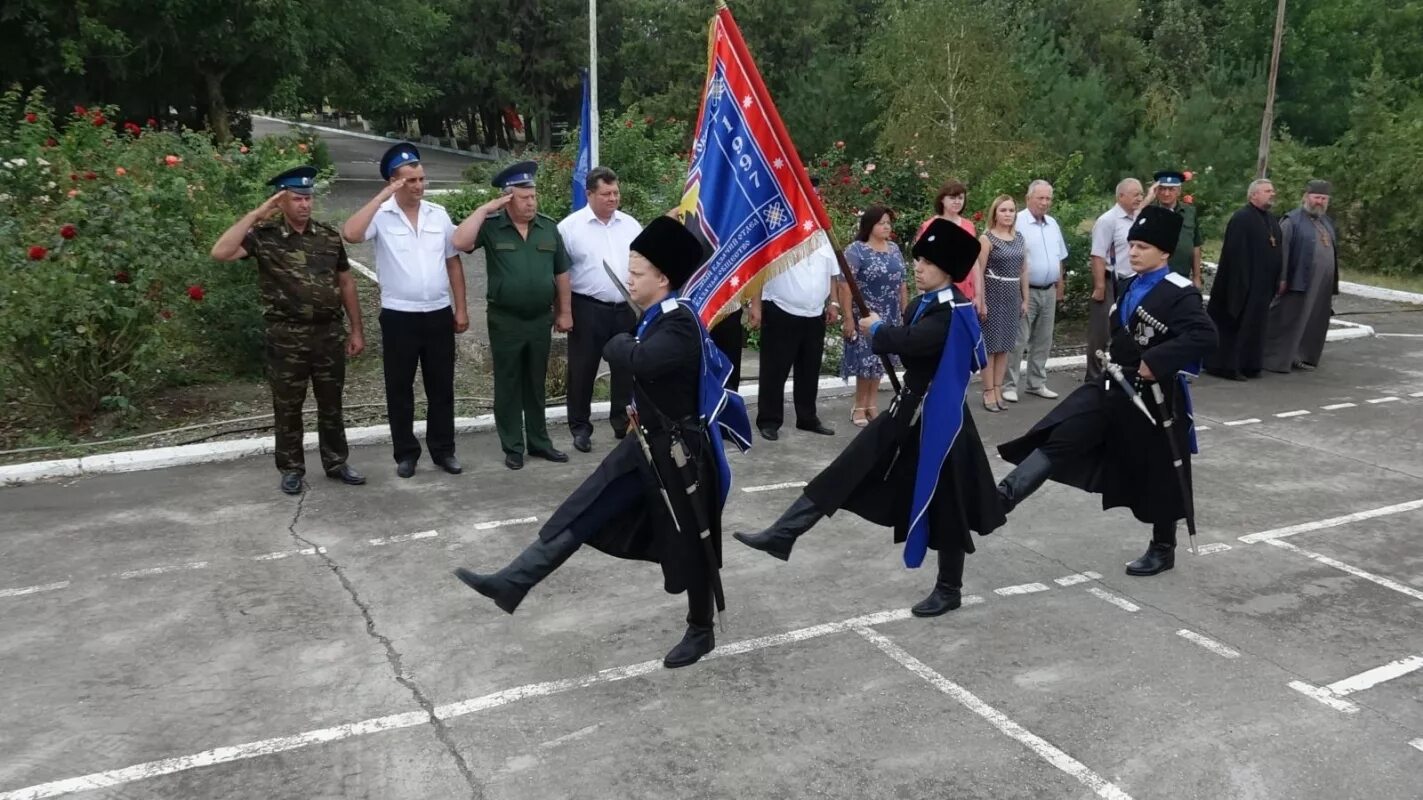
<point>1110,264</point>
<point>422,303</point>
<point>792,313</point>
<point>596,233</point>
<point>1046,254</point>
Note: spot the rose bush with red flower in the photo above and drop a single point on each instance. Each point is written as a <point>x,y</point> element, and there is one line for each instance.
<point>68,232</point>
<point>37,253</point>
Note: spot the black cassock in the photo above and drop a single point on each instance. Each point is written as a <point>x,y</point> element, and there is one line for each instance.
<point>1098,441</point>
<point>1245,283</point>
<point>873,477</point>
<point>620,508</point>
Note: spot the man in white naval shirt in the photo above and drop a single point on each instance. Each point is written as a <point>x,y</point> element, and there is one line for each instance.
<point>792,313</point>
<point>594,234</point>
<point>422,305</point>
<point>1110,264</point>
<point>1042,237</point>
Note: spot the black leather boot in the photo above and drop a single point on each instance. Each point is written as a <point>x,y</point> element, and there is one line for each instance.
<point>1025,479</point>
<point>696,642</point>
<point>780,537</point>
<point>946,595</point>
<point>508,586</point>
<point>1158,558</point>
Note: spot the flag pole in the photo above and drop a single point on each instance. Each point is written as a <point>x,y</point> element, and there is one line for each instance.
<point>592,83</point>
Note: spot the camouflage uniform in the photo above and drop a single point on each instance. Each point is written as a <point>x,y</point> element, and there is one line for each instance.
<point>298,278</point>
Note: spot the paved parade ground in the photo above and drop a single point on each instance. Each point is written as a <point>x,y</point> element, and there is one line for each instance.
<point>193,633</point>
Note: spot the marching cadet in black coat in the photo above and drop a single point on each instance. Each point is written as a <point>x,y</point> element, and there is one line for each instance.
<point>921,468</point>
<point>658,495</point>
<point>1097,439</point>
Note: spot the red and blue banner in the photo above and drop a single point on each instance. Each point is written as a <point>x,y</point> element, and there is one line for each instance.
<point>747,195</point>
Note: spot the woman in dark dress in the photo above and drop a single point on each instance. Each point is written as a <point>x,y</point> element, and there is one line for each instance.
<point>920,468</point>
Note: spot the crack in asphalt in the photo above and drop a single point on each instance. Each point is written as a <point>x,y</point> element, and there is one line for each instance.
<point>392,655</point>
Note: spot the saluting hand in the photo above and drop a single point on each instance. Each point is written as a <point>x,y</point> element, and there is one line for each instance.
<point>392,186</point>
<point>497,204</point>
<point>270,204</point>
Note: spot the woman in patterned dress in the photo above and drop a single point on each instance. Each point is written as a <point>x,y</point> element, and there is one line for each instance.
<point>1003,258</point>
<point>879,270</point>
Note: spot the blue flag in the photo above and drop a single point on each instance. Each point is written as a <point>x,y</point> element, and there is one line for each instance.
<point>585,149</point>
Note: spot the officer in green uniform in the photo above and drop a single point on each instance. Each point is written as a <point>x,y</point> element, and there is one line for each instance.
<point>1166,193</point>
<point>305,283</point>
<point>529,293</point>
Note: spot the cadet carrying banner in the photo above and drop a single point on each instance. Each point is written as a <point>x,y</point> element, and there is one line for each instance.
<point>747,195</point>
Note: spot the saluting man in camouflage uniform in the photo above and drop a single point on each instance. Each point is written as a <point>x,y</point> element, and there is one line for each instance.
<point>305,282</point>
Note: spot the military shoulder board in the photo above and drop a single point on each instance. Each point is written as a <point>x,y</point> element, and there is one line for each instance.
<point>1179,280</point>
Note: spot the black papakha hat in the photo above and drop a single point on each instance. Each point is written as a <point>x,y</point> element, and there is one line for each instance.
<point>671,248</point>
<point>948,247</point>
<point>1158,227</point>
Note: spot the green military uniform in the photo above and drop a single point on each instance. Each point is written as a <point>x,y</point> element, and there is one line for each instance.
<point>1183,259</point>
<point>521,296</point>
<point>298,279</point>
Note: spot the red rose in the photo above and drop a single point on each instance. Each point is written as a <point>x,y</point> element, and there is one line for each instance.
<point>132,129</point>
<point>122,277</point>
<point>195,293</point>
<point>89,176</point>
<point>978,216</point>
<point>166,314</point>
<point>50,143</point>
<point>120,171</point>
<point>80,111</point>
<point>1191,199</point>
<point>647,120</point>
<point>69,231</point>
<point>242,149</point>
<point>1188,175</point>
<point>100,121</point>
<point>73,193</point>
<point>864,190</point>
<point>74,176</point>
<point>301,146</point>
<point>38,253</point>
<point>30,117</point>
<point>171,160</point>
<point>845,180</point>
<point>152,123</point>
<point>824,164</point>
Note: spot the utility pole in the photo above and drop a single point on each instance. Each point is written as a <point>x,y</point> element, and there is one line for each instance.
<point>1267,123</point>
<point>593,83</point>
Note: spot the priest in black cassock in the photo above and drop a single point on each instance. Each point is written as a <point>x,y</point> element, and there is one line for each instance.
<point>1245,283</point>
<point>920,468</point>
<point>1097,439</point>
<point>658,495</point>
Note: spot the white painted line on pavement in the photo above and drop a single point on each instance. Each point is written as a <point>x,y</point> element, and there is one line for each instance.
<point>1387,583</point>
<point>1200,428</point>
<point>1332,522</point>
<point>1213,547</point>
<point>499,523</point>
<point>1080,577</point>
<point>1416,394</point>
<point>1041,747</point>
<point>1400,335</point>
<point>1389,399</point>
<point>1119,602</point>
<point>1337,406</point>
<point>364,270</point>
<point>1235,422</point>
<point>265,747</point>
<point>23,590</point>
<point>1375,676</point>
<point>1208,643</point>
<point>1319,693</point>
<point>771,487</point>
<point>1417,744</point>
<point>1025,588</point>
<point>1286,414</point>
<point>404,537</point>
<point>141,573</point>
<point>307,551</point>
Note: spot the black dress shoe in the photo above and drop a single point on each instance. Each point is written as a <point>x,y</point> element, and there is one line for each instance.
<point>449,464</point>
<point>816,427</point>
<point>770,434</point>
<point>346,475</point>
<point>582,443</point>
<point>1303,365</point>
<point>697,642</point>
<point>940,601</point>
<point>1157,559</point>
<point>551,454</point>
<point>406,468</point>
<point>291,482</point>
<point>514,460</point>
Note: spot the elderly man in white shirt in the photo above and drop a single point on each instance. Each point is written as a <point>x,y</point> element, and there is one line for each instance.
<point>422,299</point>
<point>1047,250</point>
<point>792,313</point>
<point>595,234</point>
<point>1110,264</point>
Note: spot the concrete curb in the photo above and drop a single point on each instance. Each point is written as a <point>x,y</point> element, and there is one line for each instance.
<point>374,138</point>
<point>213,452</point>
<point>1380,293</point>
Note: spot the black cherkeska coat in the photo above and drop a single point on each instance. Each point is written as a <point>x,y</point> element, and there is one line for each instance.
<point>666,370</point>
<point>873,477</point>
<point>1106,445</point>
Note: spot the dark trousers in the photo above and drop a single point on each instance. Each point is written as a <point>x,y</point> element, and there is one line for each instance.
<point>594,323</point>
<point>298,353</point>
<point>730,337</point>
<point>789,344</point>
<point>427,340</point>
